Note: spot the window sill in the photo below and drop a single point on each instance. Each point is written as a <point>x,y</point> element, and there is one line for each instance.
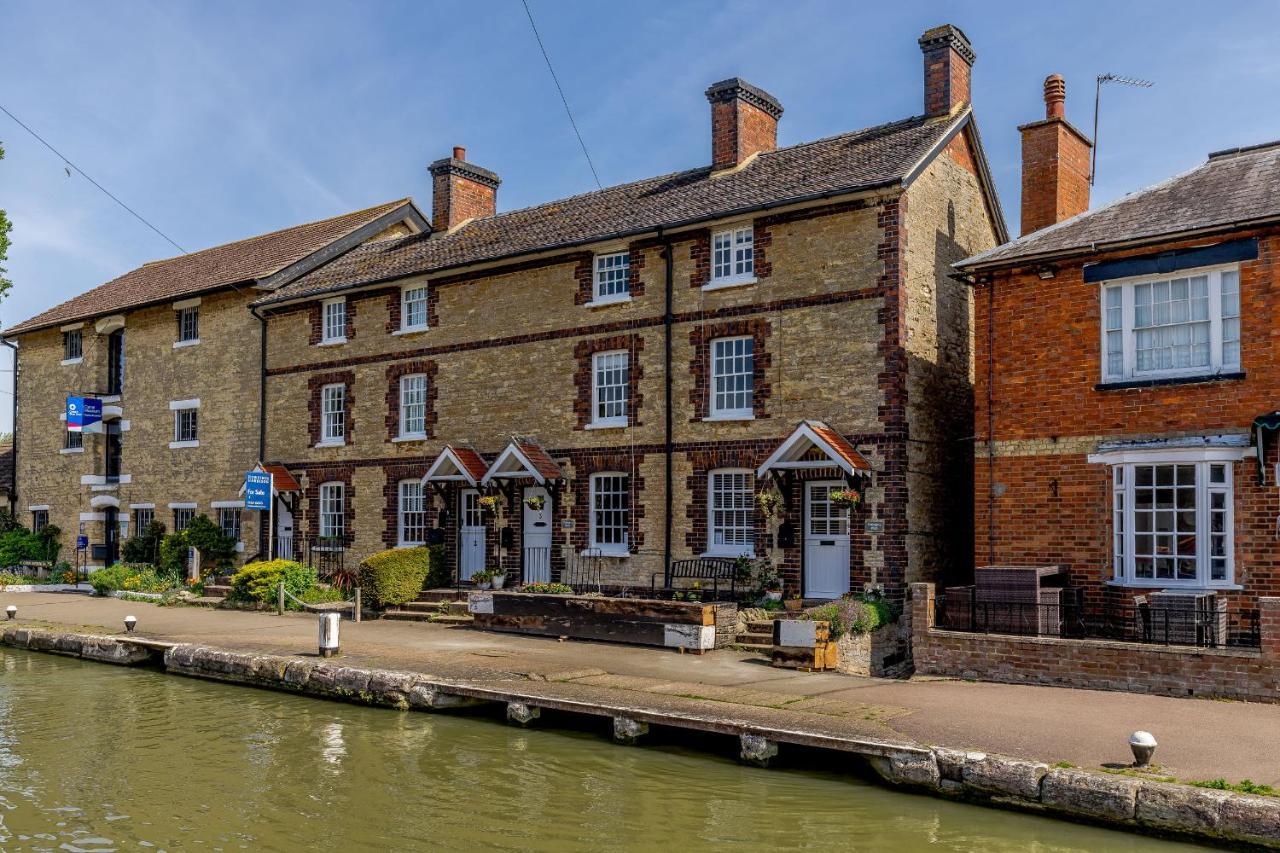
<point>67,362</point>
<point>726,283</point>
<point>409,330</point>
<point>1156,382</point>
<point>607,425</point>
<point>111,398</point>
<point>605,552</point>
<point>728,416</point>
<point>331,443</point>
<point>182,344</point>
<point>180,445</point>
<point>729,555</point>
<point>336,342</point>
<point>1152,583</point>
<point>400,439</point>
<point>67,450</point>
<point>605,301</point>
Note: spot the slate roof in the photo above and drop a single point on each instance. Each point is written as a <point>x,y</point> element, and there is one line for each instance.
<point>861,160</point>
<point>186,275</point>
<point>1233,187</point>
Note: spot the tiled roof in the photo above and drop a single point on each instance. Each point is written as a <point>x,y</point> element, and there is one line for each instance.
<point>471,460</point>
<point>540,460</point>
<point>232,263</point>
<point>864,159</point>
<point>839,445</point>
<point>1237,186</point>
<point>281,479</point>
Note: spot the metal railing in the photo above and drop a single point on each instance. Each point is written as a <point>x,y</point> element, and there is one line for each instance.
<point>1072,618</point>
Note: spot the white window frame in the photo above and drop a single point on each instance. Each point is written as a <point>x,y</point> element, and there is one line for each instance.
<point>1126,314</point>
<point>406,301</point>
<point>714,409</point>
<point>333,321</point>
<point>405,414</point>
<point>179,409</point>
<point>1121,469</point>
<point>36,515</point>
<point>717,512</point>
<point>613,421</point>
<point>185,339</point>
<point>604,266</point>
<point>596,523</point>
<point>737,265</point>
<point>404,524</point>
<point>189,512</point>
<point>225,512</point>
<point>69,335</point>
<point>333,421</point>
<point>139,514</point>
<point>331,507</point>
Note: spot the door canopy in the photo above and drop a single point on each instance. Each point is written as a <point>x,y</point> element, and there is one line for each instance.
<point>812,446</point>
<point>282,482</point>
<point>457,465</point>
<point>524,459</point>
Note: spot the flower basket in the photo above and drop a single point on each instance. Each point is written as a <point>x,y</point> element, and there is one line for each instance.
<point>769,503</point>
<point>489,503</point>
<point>846,498</point>
<point>535,502</point>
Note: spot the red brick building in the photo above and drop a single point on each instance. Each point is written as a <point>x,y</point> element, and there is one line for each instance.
<point>1126,375</point>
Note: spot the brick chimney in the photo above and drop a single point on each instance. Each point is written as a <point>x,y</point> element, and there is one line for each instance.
<point>948,66</point>
<point>1055,163</point>
<point>744,121</point>
<point>461,191</point>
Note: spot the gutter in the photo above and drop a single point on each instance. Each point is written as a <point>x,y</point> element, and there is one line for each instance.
<point>13,474</point>
<point>262,383</point>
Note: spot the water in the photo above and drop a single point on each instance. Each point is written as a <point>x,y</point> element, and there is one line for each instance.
<point>97,758</point>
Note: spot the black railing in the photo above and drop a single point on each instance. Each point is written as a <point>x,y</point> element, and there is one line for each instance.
<point>327,554</point>
<point>1070,617</point>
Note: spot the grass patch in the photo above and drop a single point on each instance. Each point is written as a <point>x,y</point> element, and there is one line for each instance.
<point>1244,786</point>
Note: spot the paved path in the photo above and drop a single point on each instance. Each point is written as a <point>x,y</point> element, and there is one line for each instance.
<point>1199,739</point>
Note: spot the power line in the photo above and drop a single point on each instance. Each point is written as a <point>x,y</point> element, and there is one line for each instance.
<point>82,173</point>
<point>563,99</point>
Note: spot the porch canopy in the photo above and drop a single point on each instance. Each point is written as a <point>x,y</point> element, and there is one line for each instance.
<point>456,465</point>
<point>524,459</point>
<point>282,482</point>
<point>812,446</point>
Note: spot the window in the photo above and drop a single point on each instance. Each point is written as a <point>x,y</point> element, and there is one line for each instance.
<point>733,256</point>
<point>113,450</point>
<point>73,345</point>
<point>413,308</point>
<point>334,321</point>
<point>412,513</point>
<point>115,362</point>
<point>1173,523</point>
<point>732,377</point>
<point>72,440</point>
<point>229,521</point>
<point>189,324</point>
<point>185,423</point>
<point>39,520</point>
<point>613,276</point>
<point>182,517</point>
<point>413,406</point>
<point>610,384</point>
<point>333,414</point>
<point>731,513</point>
<point>142,516</point>
<point>1184,326</point>
<point>332,510</point>
<point>610,513</point>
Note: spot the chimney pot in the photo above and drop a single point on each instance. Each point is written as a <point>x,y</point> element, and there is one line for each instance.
<point>1055,96</point>
<point>459,153</point>
<point>461,191</point>
<point>744,121</point>
<point>948,69</point>
<point>1055,163</point>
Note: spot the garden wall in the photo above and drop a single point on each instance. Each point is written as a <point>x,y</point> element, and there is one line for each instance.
<point>1246,674</point>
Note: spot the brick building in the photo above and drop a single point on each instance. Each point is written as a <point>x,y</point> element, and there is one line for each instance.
<point>1127,376</point>
<point>175,355</point>
<point>629,368</point>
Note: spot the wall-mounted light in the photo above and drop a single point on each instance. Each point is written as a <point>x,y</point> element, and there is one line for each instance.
<point>1046,271</point>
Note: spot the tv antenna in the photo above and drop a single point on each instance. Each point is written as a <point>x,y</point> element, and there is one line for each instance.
<point>1097,97</point>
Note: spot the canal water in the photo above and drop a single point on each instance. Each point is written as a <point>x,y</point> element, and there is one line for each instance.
<point>97,758</point>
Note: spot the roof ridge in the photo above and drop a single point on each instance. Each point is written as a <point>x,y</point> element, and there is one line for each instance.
<point>1241,150</point>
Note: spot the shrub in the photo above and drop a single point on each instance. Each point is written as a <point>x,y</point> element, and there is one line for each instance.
<point>548,588</point>
<point>852,615</point>
<point>438,572</point>
<point>391,578</point>
<point>129,577</point>
<point>217,551</point>
<point>19,545</point>
<point>172,562</point>
<point>145,546</point>
<point>258,581</point>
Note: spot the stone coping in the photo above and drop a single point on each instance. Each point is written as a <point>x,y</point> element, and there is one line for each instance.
<point>1118,645</point>
<point>47,587</point>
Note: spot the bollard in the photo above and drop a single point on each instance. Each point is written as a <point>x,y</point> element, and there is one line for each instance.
<point>11,611</point>
<point>280,599</point>
<point>355,612</point>
<point>1143,745</point>
<point>329,634</point>
<point>130,622</point>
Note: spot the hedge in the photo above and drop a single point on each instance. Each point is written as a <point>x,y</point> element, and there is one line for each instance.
<point>259,581</point>
<point>394,577</point>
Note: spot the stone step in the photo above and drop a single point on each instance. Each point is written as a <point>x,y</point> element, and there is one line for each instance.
<point>216,590</point>
<point>761,625</point>
<point>457,608</point>
<point>454,620</point>
<point>423,606</point>
<point>759,648</point>
<point>206,601</point>
<point>438,595</point>
<point>408,616</point>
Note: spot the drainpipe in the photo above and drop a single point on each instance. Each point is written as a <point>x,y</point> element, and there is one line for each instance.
<point>13,474</point>
<point>262,384</point>
<point>668,254</point>
<point>991,423</point>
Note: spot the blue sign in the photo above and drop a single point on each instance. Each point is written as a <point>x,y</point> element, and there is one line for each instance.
<point>82,542</point>
<point>257,490</point>
<point>83,412</point>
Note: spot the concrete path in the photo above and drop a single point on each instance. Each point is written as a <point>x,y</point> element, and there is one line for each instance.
<point>1199,739</point>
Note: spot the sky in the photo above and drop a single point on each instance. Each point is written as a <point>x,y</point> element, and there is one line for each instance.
<point>218,121</point>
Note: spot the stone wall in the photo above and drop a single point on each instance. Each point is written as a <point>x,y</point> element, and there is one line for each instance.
<point>1245,674</point>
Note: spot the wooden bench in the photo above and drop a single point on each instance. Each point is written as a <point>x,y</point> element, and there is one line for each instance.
<point>713,569</point>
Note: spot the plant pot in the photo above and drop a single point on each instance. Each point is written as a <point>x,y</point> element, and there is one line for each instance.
<point>773,595</point>
<point>794,605</point>
<point>483,584</point>
<point>499,581</point>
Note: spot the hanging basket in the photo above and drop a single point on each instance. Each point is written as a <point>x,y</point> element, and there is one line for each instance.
<point>846,498</point>
<point>535,502</point>
<point>769,503</point>
<point>490,503</point>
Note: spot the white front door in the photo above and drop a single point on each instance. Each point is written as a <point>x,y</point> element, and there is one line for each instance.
<point>537,536</point>
<point>826,542</point>
<point>470,535</point>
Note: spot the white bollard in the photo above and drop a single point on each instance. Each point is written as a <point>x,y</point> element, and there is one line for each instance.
<point>329,634</point>
<point>1143,745</point>
<point>130,622</point>
<point>11,611</point>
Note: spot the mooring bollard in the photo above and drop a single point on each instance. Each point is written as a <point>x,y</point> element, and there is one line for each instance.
<point>130,622</point>
<point>329,634</point>
<point>11,611</point>
<point>355,612</point>
<point>280,599</point>
<point>1143,745</point>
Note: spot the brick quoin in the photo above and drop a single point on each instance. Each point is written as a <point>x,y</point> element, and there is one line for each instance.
<point>892,380</point>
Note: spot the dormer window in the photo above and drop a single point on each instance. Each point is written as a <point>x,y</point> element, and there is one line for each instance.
<point>333,321</point>
<point>612,277</point>
<point>413,309</point>
<point>733,257</point>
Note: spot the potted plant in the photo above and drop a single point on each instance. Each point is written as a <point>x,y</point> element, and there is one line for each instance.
<point>769,503</point>
<point>498,578</point>
<point>695,592</point>
<point>535,502</point>
<point>482,580</point>
<point>845,497</point>
<point>489,503</point>
<point>795,603</point>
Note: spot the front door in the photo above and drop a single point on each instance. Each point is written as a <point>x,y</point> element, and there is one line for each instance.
<point>112,535</point>
<point>470,535</point>
<point>537,535</point>
<point>826,542</point>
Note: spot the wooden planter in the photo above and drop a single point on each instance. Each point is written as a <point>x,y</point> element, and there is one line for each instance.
<point>638,621</point>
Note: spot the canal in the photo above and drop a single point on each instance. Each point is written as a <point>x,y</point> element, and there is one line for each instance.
<point>97,758</point>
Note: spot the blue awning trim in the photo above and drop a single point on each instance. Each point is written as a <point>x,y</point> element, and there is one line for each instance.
<point>1178,259</point>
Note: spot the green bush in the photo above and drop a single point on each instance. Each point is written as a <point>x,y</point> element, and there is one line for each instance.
<point>129,577</point>
<point>259,581</point>
<point>852,615</point>
<point>217,551</point>
<point>19,545</point>
<point>144,547</point>
<point>438,572</point>
<point>547,588</point>
<point>391,578</point>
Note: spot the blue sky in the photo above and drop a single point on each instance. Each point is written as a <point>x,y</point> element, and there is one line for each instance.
<point>220,121</point>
